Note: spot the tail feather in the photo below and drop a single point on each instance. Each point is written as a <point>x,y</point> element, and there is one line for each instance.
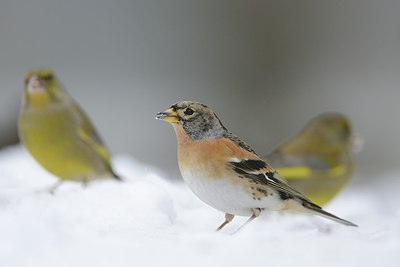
<point>116,177</point>
<point>319,211</point>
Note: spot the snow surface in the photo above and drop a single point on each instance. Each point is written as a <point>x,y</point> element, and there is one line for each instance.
<point>150,221</point>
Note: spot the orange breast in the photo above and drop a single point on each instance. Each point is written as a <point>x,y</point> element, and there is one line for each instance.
<point>208,156</point>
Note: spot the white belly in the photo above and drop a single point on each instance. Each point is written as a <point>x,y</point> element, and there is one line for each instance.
<point>228,197</point>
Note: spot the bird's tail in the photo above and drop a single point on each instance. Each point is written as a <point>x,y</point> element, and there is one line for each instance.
<point>313,208</point>
<point>116,177</point>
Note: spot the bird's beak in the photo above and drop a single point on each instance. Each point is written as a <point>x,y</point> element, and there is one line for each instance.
<point>169,115</point>
<point>35,85</point>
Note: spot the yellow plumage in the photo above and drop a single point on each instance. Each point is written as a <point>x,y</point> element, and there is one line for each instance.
<point>57,132</point>
<point>319,161</point>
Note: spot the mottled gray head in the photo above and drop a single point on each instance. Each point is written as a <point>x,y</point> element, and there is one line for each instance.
<point>198,120</point>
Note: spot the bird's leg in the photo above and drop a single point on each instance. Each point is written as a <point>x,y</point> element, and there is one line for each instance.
<point>85,182</point>
<point>228,219</point>
<point>256,213</point>
<point>54,187</point>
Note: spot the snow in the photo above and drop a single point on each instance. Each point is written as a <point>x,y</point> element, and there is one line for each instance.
<point>150,221</point>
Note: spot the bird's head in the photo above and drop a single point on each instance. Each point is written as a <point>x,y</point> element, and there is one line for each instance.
<point>334,127</point>
<point>42,87</point>
<point>196,119</point>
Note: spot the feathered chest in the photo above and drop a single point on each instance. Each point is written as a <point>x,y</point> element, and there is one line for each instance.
<point>206,157</point>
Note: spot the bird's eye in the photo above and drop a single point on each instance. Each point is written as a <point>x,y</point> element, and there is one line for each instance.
<point>189,111</point>
<point>47,77</point>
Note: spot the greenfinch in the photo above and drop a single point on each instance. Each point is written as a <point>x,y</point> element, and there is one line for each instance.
<point>319,161</point>
<point>58,133</point>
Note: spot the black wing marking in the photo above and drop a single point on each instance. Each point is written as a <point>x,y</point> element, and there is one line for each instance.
<point>260,172</point>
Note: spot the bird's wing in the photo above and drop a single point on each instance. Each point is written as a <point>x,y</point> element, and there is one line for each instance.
<point>89,135</point>
<point>259,172</point>
<point>247,164</point>
<point>277,159</point>
<point>304,167</point>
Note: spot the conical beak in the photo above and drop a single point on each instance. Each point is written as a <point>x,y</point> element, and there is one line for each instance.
<point>169,115</point>
<point>35,85</point>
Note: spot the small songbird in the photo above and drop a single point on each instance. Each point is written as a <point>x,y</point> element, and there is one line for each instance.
<point>225,173</point>
<point>319,161</point>
<point>57,132</point>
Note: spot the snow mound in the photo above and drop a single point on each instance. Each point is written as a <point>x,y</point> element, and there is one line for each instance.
<point>149,221</point>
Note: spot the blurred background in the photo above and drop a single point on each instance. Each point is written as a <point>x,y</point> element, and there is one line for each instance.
<point>265,67</point>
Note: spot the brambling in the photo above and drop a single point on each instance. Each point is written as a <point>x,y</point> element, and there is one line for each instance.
<point>58,134</point>
<point>225,173</point>
<point>319,161</point>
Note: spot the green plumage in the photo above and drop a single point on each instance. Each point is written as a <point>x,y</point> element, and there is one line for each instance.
<point>58,134</point>
<point>319,161</point>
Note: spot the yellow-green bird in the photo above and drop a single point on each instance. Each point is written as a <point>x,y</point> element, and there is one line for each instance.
<point>58,133</point>
<point>319,161</point>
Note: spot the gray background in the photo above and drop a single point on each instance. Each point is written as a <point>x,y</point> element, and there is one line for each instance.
<point>266,67</point>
